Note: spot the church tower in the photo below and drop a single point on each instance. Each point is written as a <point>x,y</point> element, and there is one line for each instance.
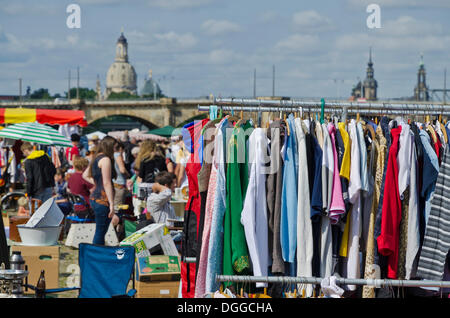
<point>370,85</point>
<point>421,89</point>
<point>121,76</point>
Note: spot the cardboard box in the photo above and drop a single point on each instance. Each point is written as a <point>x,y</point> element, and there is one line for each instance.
<point>39,258</point>
<point>151,237</point>
<point>13,231</point>
<point>157,289</point>
<point>158,268</point>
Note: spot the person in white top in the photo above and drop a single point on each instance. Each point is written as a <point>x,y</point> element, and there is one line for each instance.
<point>158,202</point>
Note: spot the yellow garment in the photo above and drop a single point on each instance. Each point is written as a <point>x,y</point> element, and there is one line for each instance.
<point>444,131</point>
<point>433,133</point>
<point>343,250</point>
<point>346,160</point>
<point>19,115</point>
<point>36,154</point>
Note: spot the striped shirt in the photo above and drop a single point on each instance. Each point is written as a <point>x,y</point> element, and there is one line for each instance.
<point>436,243</point>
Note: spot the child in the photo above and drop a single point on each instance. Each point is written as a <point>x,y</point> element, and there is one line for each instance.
<point>60,191</point>
<point>134,188</point>
<point>22,202</point>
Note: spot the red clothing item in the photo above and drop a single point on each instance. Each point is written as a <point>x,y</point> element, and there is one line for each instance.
<point>388,241</point>
<point>192,211</point>
<point>77,185</point>
<point>70,152</point>
<point>437,148</point>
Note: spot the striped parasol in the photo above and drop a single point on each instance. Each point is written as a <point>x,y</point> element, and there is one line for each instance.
<point>37,133</point>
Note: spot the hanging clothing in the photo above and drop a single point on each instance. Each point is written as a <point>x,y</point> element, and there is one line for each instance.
<point>391,213</point>
<point>192,133</point>
<point>214,262</point>
<point>430,172</point>
<point>254,212</point>
<point>354,191</point>
<point>276,134</point>
<point>369,271</point>
<point>235,252</point>
<point>200,282</point>
<point>326,256</point>
<point>288,225</point>
<point>436,243</point>
<point>203,178</point>
<point>337,206</point>
<point>304,228</point>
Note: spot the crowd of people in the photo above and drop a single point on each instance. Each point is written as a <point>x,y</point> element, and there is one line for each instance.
<point>106,176</point>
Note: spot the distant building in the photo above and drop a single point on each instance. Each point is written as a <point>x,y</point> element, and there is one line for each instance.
<point>366,90</point>
<point>357,91</point>
<point>121,76</point>
<point>370,85</point>
<point>421,89</point>
<point>151,88</point>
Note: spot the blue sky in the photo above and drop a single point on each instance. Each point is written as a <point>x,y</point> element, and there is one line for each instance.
<point>201,47</point>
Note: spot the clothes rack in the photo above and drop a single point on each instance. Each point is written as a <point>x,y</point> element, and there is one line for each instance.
<point>342,281</point>
<point>351,108</point>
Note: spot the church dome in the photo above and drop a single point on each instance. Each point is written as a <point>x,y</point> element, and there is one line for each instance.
<point>151,87</point>
<point>121,76</point>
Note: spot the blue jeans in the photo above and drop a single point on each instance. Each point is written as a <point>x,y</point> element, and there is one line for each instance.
<point>101,222</point>
<point>42,195</point>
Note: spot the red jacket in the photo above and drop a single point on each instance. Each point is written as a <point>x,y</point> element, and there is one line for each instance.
<point>391,213</point>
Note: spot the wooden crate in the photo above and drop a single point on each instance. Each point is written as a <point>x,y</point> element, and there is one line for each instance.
<point>157,289</point>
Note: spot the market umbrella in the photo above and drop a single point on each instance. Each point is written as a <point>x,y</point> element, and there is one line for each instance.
<point>43,116</point>
<point>37,133</point>
<point>165,131</point>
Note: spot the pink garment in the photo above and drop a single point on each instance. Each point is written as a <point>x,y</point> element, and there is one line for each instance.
<point>200,282</point>
<point>337,206</point>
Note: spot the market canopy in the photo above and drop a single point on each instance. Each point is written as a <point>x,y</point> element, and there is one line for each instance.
<point>42,116</point>
<point>165,131</point>
<point>37,133</point>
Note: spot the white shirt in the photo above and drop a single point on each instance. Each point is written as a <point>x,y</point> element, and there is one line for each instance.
<point>304,228</point>
<point>158,204</point>
<point>254,213</point>
<point>354,191</point>
<point>326,263</point>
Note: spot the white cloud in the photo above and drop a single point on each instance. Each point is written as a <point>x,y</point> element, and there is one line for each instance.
<point>311,20</point>
<point>269,16</point>
<point>217,27</point>
<point>409,26</point>
<point>95,2</point>
<point>401,3</point>
<point>299,42</point>
<point>15,8</point>
<point>178,4</point>
<point>221,56</point>
<point>181,41</point>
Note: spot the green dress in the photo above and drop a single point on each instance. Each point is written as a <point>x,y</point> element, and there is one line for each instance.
<point>236,256</point>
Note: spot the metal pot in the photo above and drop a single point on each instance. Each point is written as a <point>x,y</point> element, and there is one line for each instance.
<point>16,261</point>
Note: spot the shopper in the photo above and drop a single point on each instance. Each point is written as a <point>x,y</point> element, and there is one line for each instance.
<point>39,172</point>
<point>158,202</point>
<point>100,173</point>
<point>150,162</point>
<point>76,184</point>
<point>60,192</point>
<point>120,182</point>
<point>74,150</point>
